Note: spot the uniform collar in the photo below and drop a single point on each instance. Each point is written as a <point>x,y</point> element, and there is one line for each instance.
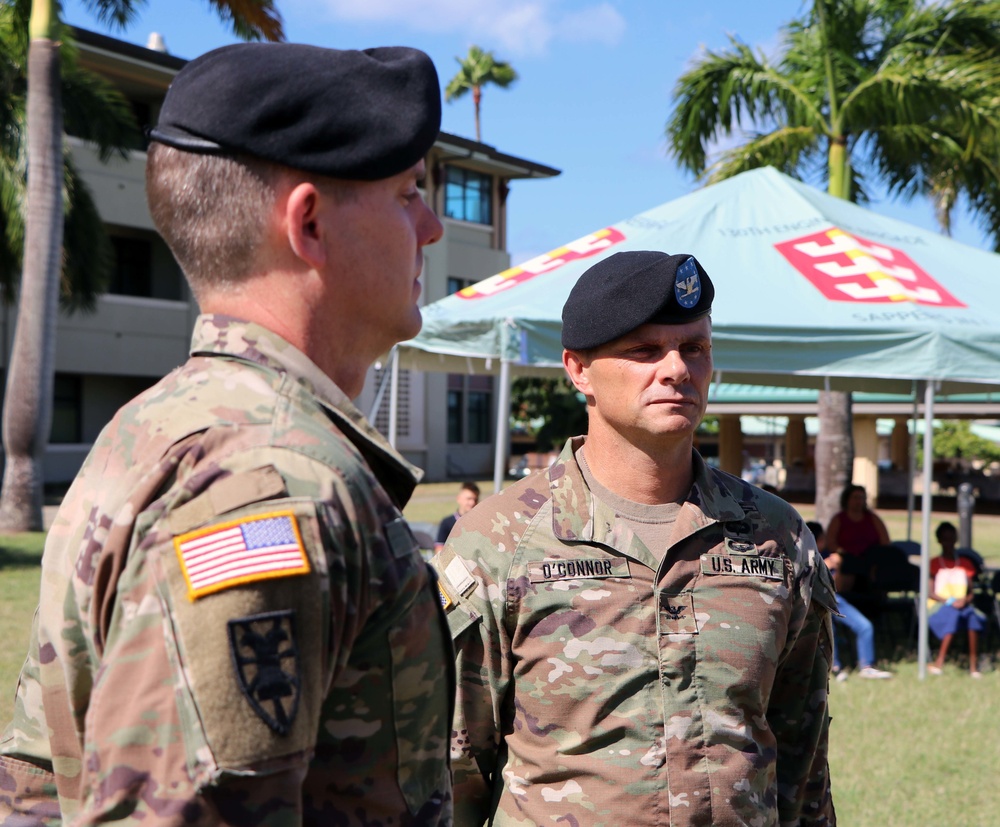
<point>578,515</point>
<point>220,335</point>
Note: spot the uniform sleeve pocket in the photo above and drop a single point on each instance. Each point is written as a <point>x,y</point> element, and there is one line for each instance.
<point>27,793</point>
<point>461,616</point>
<point>248,612</point>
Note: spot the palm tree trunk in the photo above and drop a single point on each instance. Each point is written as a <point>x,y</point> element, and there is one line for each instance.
<point>477,97</point>
<point>839,167</point>
<point>27,412</point>
<point>834,452</point>
<point>835,442</point>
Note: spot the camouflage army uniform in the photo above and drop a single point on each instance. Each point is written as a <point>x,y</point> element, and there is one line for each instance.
<point>303,680</point>
<point>600,687</point>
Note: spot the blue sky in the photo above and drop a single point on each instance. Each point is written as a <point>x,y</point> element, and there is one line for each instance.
<point>592,99</point>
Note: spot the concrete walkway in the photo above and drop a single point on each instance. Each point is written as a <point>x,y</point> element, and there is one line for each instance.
<point>48,515</point>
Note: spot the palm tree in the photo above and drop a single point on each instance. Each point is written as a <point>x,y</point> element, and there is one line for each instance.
<point>27,410</point>
<point>96,112</point>
<point>477,69</point>
<point>904,92</point>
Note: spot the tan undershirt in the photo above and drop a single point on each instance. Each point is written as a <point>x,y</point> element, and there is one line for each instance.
<point>652,524</point>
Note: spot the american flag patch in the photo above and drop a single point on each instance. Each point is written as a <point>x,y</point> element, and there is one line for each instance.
<point>445,597</point>
<point>241,551</point>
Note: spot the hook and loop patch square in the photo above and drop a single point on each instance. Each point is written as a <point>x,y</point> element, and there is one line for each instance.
<point>253,548</point>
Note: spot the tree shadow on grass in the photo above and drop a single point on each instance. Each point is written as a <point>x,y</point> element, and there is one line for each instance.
<point>18,559</point>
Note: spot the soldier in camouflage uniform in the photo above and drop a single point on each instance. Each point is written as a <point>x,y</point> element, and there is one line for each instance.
<point>642,639</point>
<point>235,625</point>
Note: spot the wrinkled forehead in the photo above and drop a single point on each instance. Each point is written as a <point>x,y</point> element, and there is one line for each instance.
<point>664,334</point>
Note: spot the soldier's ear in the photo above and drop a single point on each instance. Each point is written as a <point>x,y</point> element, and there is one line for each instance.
<point>305,231</point>
<point>576,370</point>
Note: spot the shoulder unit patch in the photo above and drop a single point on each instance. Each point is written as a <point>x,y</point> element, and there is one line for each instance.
<point>266,659</point>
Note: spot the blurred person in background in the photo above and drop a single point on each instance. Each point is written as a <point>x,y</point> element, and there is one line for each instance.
<point>850,618</point>
<point>467,499</point>
<point>950,601</point>
<point>852,533</point>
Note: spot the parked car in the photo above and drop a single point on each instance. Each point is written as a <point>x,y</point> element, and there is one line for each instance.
<point>530,462</point>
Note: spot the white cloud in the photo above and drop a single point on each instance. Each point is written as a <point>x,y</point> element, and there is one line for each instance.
<point>521,28</point>
<point>600,24</point>
<point>515,27</point>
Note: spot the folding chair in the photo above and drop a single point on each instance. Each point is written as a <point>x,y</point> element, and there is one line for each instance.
<point>896,586</point>
<point>985,589</point>
<point>910,547</point>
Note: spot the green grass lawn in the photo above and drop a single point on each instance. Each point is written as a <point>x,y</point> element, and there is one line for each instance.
<point>903,752</point>
<point>20,570</point>
<point>908,753</point>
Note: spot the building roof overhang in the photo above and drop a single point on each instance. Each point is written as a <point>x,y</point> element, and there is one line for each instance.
<point>137,67</point>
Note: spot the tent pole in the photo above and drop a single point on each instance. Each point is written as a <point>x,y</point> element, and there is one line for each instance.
<point>503,429</point>
<point>394,398</point>
<point>925,541</point>
<point>911,469</point>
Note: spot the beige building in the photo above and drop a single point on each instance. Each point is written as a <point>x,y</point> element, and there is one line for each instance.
<point>141,327</point>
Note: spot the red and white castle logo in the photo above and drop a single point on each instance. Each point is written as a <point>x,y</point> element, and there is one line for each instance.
<point>589,245</point>
<point>849,268</point>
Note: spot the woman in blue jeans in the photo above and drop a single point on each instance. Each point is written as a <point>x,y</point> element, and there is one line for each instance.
<point>851,617</point>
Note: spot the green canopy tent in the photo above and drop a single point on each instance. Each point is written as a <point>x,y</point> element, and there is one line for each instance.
<point>811,291</point>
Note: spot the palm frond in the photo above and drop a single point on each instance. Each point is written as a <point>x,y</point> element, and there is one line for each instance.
<point>117,13</point>
<point>87,256</point>
<point>457,86</point>
<point>725,89</point>
<point>503,74</point>
<point>784,149</point>
<point>96,111</point>
<point>251,19</point>
<point>477,69</point>
<point>927,88</point>
<point>983,197</point>
<point>12,201</point>
<point>911,86</point>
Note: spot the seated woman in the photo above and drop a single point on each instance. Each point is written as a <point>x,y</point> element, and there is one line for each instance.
<point>951,600</point>
<point>853,531</point>
<point>850,618</point>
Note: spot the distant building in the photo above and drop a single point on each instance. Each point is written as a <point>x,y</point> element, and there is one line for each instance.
<point>141,328</point>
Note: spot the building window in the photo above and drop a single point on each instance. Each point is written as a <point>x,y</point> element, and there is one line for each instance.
<point>143,119</point>
<point>478,421</point>
<point>454,414</point>
<point>470,400</point>
<point>143,266</point>
<point>67,410</point>
<point>468,195</point>
<point>76,123</point>
<point>455,284</point>
<point>133,272</point>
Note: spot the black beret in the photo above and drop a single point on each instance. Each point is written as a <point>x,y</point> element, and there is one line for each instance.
<point>626,290</point>
<point>361,115</point>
